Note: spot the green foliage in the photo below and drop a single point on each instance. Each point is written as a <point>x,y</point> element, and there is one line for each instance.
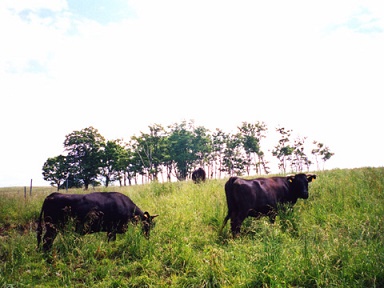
<point>181,148</point>
<point>84,154</point>
<point>55,170</point>
<point>333,239</point>
<point>111,161</point>
<point>150,150</point>
<point>251,135</point>
<point>176,152</point>
<point>321,151</point>
<point>283,151</point>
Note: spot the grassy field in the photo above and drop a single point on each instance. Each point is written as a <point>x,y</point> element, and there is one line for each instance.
<point>333,239</point>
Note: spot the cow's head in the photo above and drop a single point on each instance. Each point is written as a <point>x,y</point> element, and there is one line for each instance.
<point>299,184</point>
<point>147,221</point>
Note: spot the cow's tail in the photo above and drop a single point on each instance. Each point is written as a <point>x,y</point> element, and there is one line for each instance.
<point>230,200</point>
<point>39,230</point>
<point>224,223</point>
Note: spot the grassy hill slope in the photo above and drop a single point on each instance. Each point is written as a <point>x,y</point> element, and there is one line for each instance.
<point>334,238</point>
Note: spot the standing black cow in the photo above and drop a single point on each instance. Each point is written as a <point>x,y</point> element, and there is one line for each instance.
<point>198,175</point>
<point>94,212</point>
<point>262,196</point>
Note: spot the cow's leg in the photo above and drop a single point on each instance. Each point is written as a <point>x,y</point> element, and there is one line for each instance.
<point>272,216</point>
<point>236,221</point>
<point>111,236</point>
<point>80,228</point>
<point>49,237</point>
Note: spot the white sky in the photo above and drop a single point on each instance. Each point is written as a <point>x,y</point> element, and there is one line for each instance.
<point>315,67</point>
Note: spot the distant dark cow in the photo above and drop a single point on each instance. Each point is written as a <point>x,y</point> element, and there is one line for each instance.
<point>198,175</point>
<point>262,196</point>
<point>94,212</point>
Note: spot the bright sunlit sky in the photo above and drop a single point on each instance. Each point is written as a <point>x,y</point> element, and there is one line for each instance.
<point>315,67</point>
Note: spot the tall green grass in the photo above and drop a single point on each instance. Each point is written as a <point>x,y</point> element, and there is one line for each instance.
<point>333,239</point>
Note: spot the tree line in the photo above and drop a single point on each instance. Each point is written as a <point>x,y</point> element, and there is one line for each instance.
<point>175,152</point>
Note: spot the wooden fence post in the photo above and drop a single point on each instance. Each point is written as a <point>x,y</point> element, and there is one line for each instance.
<point>30,189</point>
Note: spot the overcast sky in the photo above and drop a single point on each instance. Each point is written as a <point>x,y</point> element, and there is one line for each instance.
<point>315,67</point>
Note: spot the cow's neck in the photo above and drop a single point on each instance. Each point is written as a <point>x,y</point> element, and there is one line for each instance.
<point>292,197</point>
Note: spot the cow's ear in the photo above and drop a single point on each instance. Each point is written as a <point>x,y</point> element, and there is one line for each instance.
<point>147,216</point>
<point>311,177</point>
<point>290,178</point>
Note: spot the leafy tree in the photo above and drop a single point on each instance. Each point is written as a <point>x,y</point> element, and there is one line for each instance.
<point>251,138</point>
<point>151,150</point>
<point>124,161</point>
<point>283,151</point>
<point>168,162</point>
<point>326,155</point>
<point>160,153</point>
<point>234,160</point>
<point>261,129</point>
<point>300,159</point>
<point>180,146</point>
<point>71,182</point>
<point>201,145</point>
<point>178,151</point>
<point>321,151</point>
<point>219,139</point>
<point>188,146</point>
<point>56,170</point>
<point>131,164</point>
<point>250,144</point>
<point>84,154</point>
<point>110,160</point>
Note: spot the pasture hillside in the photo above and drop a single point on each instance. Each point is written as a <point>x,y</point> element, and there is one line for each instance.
<point>333,239</point>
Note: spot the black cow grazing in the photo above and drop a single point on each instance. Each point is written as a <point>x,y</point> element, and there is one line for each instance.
<point>198,175</point>
<point>262,196</point>
<point>94,212</point>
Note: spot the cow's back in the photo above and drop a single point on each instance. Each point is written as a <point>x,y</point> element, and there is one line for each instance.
<point>258,194</point>
<point>276,190</point>
<point>57,206</point>
<point>270,191</point>
<point>241,194</point>
<point>114,205</point>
